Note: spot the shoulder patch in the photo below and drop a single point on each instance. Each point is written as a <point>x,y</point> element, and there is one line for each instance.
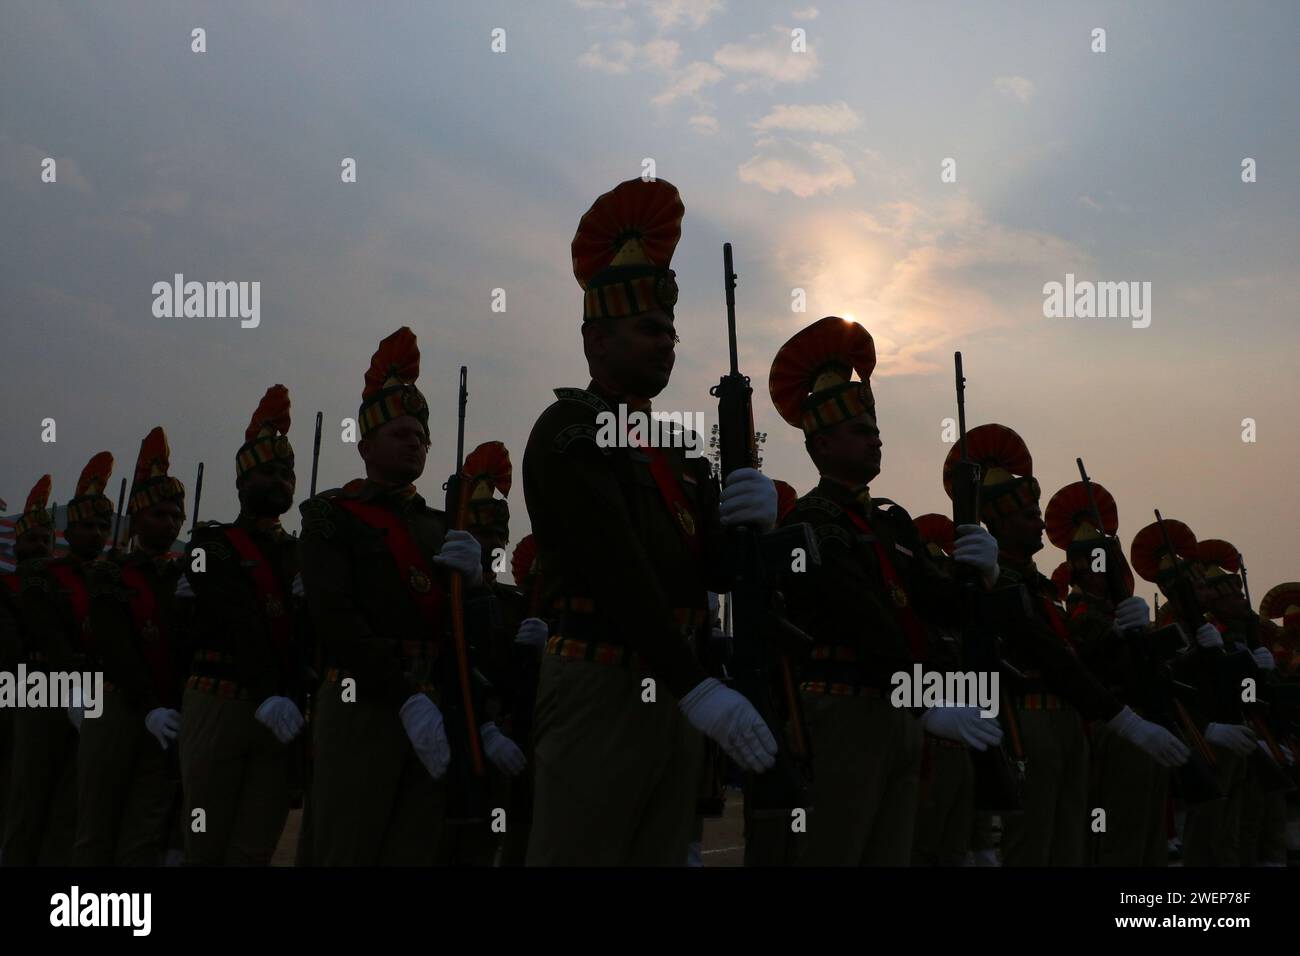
<point>832,532</point>
<point>317,517</point>
<point>573,433</point>
<point>818,505</point>
<point>582,396</point>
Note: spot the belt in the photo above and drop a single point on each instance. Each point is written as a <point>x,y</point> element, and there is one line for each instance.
<point>943,743</point>
<point>572,648</point>
<point>1039,702</point>
<point>212,685</point>
<point>335,675</point>
<point>837,689</point>
<point>834,652</point>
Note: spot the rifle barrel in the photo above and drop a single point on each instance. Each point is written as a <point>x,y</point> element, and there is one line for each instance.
<point>315,453</point>
<point>729,285</point>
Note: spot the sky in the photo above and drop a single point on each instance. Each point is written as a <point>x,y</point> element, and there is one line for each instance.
<point>820,155</point>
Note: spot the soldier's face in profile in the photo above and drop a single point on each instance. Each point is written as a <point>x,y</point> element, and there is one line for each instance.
<point>33,544</point>
<point>395,452</point>
<point>850,450</point>
<point>86,539</point>
<point>158,526</point>
<point>1023,529</point>
<point>267,490</point>
<point>634,354</point>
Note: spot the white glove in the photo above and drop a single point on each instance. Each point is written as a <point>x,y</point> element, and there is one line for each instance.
<point>1264,658</point>
<point>1237,738</point>
<point>533,632</point>
<point>748,498</point>
<point>963,724</point>
<point>422,721</point>
<point>281,716</point>
<point>979,549</point>
<point>297,588</point>
<point>1166,749</point>
<point>1208,636</point>
<point>726,716</point>
<point>1132,612</point>
<point>164,723</point>
<point>1287,755</point>
<point>461,552</point>
<point>183,589</point>
<point>502,751</point>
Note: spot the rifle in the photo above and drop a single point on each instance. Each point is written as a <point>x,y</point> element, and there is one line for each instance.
<point>998,783</point>
<point>763,634</point>
<point>315,454</point>
<point>467,797</point>
<point>308,667</point>
<point>117,519</point>
<point>198,496</point>
<point>1253,713</point>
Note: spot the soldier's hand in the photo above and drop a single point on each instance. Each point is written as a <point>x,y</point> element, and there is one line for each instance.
<point>1264,658</point>
<point>728,718</point>
<point>748,498</point>
<point>282,717</point>
<point>533,632</point>
<point>1166,749</point>
<point>963,724</point>
<point>1132,612</point>
<point>422,721</point>
<point>297,589</point>
<point>183,589</point>
<point>1237,738</point>
<point>1208,636</point>
<point>461,552</point>
<point>979,549</point>
<point>502,751</point>
<point>164,723</point>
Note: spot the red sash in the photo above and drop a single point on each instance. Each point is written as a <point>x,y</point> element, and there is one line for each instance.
<point>154,643</point>
<point>670,490</point>
<point>1058,623</point>
<point>12,583</point>
<point>75,585</point>
<point>907,619</point>
<point>409,562</point>
<point>270,596</point>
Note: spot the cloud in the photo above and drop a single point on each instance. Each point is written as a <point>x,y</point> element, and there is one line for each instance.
<point>618,59</point>
<point>661,53</point>
<point>704,124</point>
<point>694,13</point>
<point>808,13</point>
<point>919,276</point>
<point>1016,87</point>
<point>1089,203</point>
<point>20,166</point>
<point>690,80</point>
<point>803,169</point>
<point>829,118</point>
<point>767,60</point>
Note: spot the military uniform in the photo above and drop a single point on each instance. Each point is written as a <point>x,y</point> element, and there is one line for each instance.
<point>232,765</point>
<point>629,538</point>
<point>126,781</point>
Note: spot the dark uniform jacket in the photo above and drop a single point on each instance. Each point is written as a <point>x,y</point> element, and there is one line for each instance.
<point>234,638</point>
<point>619,568</point>
<point>52,592</point>
<point>846,605</point>
<point>135,634</point>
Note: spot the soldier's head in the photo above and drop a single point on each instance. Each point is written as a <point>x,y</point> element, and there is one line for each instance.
<point>633,355</point>
<point>1018,529</point>
<point>37,543</point>
<point>395,451</point>
<point>87,537</point>
<point>849,450</point>
<point>157,526</point>
<point>266,491</point>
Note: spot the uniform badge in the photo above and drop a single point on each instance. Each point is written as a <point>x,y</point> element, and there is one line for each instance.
<point>420,582</point>
<point>412,402</point>
<point>686,521</point>
<point>899,595</point>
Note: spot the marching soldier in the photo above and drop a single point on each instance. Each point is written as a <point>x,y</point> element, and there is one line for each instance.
<point>1282,602</point>
<point>1056,693</point>
<point>498,611</point>
<point>375,567</point>
<point>946,808</point>
<point>528,648</point>
<point>1211,831</point>
<point>56,606</point>
<point>868,608</point>
<point>33,544</point>
<point>629,535</point>
<point>239,715</point>
<point>1129,784</point>
<point>126,775</point>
